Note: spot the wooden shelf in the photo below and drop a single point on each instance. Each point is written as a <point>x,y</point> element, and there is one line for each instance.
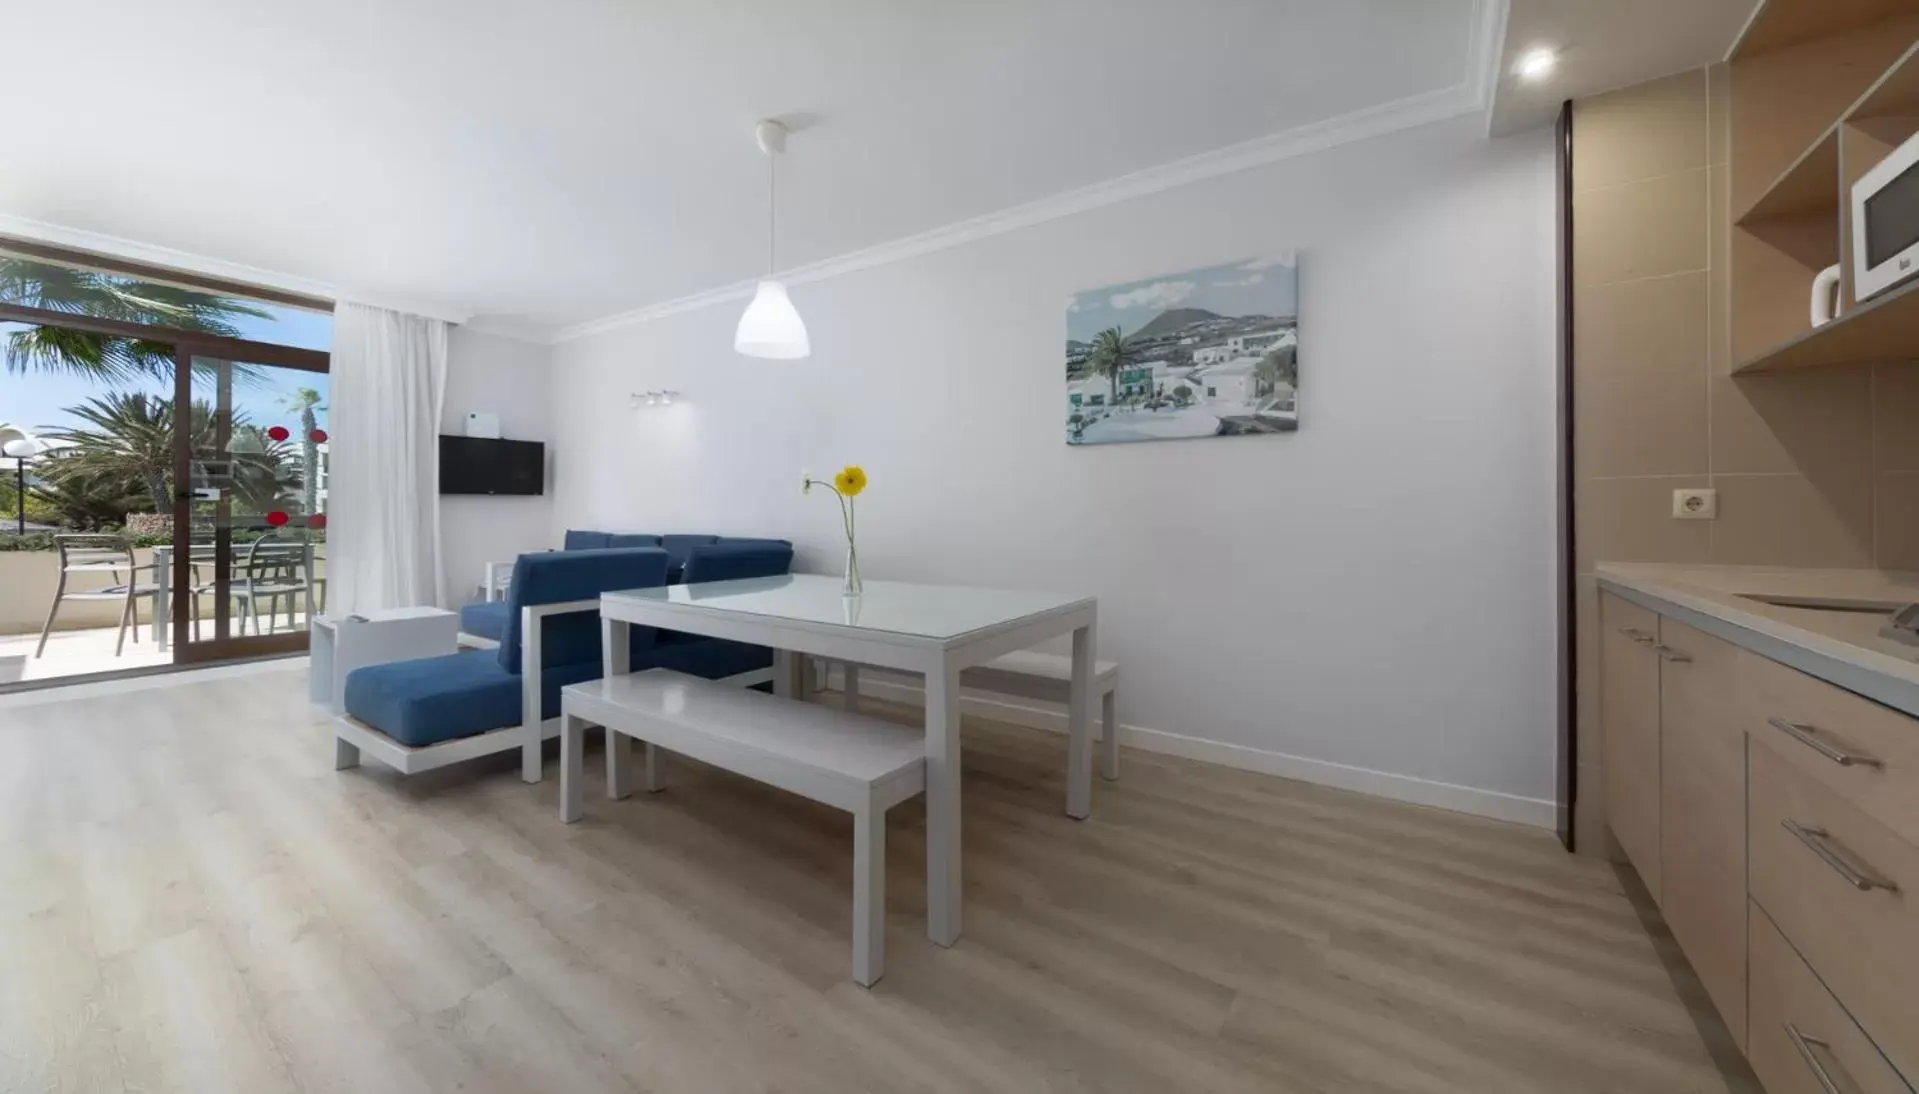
<point>1810,185</point>
<point>1885,328</point>
<point>1780,24</point>
<point>1893,95</point>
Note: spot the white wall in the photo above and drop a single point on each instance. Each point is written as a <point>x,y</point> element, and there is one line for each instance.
<point>511,379</point>
<point>1369,602</point>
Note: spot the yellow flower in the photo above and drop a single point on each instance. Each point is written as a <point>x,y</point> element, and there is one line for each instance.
<point>850,481</point>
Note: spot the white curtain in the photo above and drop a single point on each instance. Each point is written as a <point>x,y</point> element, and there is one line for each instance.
<point>383,490</point>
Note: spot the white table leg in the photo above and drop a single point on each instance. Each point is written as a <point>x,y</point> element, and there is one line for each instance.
<point>616,658</point>
<point>850,684</point>
<point>1079,738</point>
<point>943,805</point>
<point>786,667</point>
<point>869,895</point>
<point>619,764</point>
<point>572,765</point>
<point>1109,743</point>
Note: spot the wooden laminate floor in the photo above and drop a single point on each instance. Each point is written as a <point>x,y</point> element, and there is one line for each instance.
<point>192,900</point>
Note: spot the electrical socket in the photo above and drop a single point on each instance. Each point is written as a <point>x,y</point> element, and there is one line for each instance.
<point>1695,504</point>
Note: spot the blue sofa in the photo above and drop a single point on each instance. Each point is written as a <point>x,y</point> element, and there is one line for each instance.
<point>487,619</point>
<point>437,710</point>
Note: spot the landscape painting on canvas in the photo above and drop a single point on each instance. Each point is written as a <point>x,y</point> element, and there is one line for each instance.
<point>1206,353</point>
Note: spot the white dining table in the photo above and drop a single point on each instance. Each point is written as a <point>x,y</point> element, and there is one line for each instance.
<point>934,630</point>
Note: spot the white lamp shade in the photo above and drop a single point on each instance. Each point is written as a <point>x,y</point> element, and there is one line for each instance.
<point>771,326</point>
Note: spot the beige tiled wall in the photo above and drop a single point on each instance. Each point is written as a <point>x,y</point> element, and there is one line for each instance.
<point>1813,468</point>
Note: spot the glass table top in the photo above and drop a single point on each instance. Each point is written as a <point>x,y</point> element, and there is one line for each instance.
<point>898,607</point>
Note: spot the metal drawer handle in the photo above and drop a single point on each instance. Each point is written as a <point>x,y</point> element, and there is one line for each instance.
<point>1671,654</point>
<point>1807,735</point>
<point>1637,635</point>
<point>1815,838</point>
<point>1805,1044</point>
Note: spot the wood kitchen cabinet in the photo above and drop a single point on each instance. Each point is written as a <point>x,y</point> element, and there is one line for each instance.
<point>1702,811</point>
<point>1629,731</point>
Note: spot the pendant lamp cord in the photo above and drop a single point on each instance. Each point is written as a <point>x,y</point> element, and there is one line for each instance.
<point>771,157</point>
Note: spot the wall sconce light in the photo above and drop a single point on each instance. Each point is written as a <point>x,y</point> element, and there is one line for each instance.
<point>653,398</point>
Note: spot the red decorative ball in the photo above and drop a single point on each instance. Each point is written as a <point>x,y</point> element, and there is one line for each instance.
<point>276,518</point>
<point>317,520</point>
<point>279,433</point>
<point>318,435</point>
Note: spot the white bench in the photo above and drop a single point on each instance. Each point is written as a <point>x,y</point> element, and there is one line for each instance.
<point>862,765</point>
<point>1030,674</point>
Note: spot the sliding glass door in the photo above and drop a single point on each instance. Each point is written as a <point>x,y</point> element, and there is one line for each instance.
<point>248,570</point>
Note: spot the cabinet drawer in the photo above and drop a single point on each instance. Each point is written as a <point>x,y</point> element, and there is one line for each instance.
<point>1842,888</point>
<point>1802,1041</point>
<point>1869,754</point>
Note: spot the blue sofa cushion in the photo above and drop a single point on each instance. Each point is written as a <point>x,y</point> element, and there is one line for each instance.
<point>677,550</point>
<point>712,658</point>
<point>485,620</point>
<point>632,539</point>
<point>556,577</point>
<point>579,540</point>
<point>753,541</point>
<point>730,560</point>
<point>434,699</point>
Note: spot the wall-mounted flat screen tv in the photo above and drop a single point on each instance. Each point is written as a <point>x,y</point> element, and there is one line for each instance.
<point>483,465</point>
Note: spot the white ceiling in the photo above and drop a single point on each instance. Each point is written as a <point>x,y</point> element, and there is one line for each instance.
<point>541,164</point>
<point>1606,44</point>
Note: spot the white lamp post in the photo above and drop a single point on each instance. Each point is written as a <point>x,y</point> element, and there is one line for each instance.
<point>20,450</point>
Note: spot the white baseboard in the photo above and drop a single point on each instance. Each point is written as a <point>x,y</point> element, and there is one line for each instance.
<point>1535,812</point>
<point>60,693</point>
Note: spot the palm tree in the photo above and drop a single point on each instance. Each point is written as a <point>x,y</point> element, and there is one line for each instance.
<point>263,476</point>
<point>127,434</point>
<point>306,401</point>
<point>58,288</point>
<point>85,500</point>
<point>1112,352</point>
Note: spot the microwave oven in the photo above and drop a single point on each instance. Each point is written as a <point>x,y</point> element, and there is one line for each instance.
<point>1885,223</point>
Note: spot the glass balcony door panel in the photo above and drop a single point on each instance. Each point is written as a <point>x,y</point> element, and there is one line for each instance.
<point>251,449</point>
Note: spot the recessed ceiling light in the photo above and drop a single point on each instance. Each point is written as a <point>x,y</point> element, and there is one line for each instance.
<point>1537,63</point>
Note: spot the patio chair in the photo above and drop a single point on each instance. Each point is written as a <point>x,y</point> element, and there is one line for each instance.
<point>272,568</point>
<point>100,553</point>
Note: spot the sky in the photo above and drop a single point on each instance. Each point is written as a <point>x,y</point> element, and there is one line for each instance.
<point>36,400</point>
<point>1263,286</point>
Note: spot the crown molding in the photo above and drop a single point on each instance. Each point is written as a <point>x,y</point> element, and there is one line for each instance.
<point>1486,54</point>
<point>1376,121</point>
<point>110,246</point>
<point>516,332</point>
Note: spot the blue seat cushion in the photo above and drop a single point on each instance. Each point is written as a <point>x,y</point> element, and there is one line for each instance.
<point>712,658</point>
<point>632,539</point>
<point>434,699</point>
<point>485,620</point>
<point>581,540</point>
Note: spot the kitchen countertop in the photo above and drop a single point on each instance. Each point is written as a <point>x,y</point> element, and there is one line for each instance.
<point>1842,648</point>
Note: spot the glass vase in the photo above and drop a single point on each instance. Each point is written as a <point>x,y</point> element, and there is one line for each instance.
<point>851,587</point>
